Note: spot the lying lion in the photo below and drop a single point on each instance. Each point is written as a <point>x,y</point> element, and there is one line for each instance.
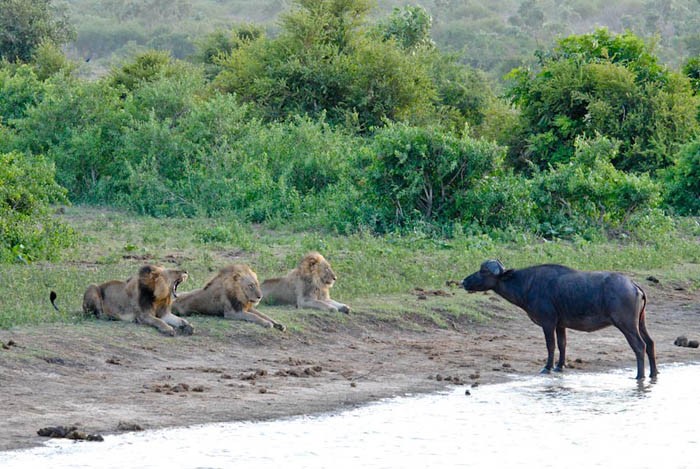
<point>233,293</point>
<point>307,286</point>
<point>145,298</point>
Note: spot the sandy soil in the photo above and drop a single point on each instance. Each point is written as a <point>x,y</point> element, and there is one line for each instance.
<point>107,377</point>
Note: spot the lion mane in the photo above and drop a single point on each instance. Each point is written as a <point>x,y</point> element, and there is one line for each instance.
<point>307,286</point>
<point>233,293</point>
<point>145,298</point>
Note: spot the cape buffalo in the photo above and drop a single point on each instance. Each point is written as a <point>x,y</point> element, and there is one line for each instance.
<point>556,297</point>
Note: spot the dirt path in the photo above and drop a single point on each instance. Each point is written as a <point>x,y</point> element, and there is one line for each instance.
<point>104,377</point>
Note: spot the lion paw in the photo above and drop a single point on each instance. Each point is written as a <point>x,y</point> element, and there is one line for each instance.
<point>280,327</point>
<point>344,309</point>
<point>186,329</point>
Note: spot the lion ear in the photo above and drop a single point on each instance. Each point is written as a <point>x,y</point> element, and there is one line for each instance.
<point>236,277</point>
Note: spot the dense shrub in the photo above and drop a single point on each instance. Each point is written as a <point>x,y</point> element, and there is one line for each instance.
<point>20,88</point>
<point>27,230</point>
<point>606,84</point>
<point>683,180</point>
<point>588,195</point>
<point>419,175</point>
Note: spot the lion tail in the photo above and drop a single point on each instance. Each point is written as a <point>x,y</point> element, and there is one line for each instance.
<point>52,298</point>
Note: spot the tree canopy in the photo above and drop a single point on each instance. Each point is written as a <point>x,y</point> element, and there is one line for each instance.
<point>26,24</point>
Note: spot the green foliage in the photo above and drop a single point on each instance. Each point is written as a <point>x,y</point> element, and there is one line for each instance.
<point>410,26</point>
<point>20,88</point>
<point>588,195</point>
<point>28,232</point>
<point>683,180</point>
<point>49,60</point>
<point>691,69</point>
<point>145,67</point>
<point>78,125</point>
<point>603,84</point>
<point>420,175</point>
<point>323,63</point>
<point>215,46</point>
<point>26,24</point>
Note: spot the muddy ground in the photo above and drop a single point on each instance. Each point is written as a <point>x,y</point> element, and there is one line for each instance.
<point>107,377</point>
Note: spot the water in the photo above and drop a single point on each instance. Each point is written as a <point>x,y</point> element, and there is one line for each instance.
<point>570,420</point>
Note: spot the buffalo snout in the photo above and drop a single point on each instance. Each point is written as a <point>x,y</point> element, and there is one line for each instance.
<point>473,283</point>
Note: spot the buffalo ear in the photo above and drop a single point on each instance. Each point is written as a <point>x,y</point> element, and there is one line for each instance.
<point>507,274</point>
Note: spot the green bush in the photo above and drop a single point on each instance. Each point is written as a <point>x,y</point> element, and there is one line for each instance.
<point>20,88</point>
<point>419,175</point>
<point>588,195</point>
<point>28,232</point>
<point>683,180</point>
<point>607,84</point>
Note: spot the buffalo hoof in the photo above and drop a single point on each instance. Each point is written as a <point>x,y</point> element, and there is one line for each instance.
<point>559,369</point>
<point>545,371</point>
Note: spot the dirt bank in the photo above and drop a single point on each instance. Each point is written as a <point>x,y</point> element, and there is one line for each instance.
<point>105,377</point>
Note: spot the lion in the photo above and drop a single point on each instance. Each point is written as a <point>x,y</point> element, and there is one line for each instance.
<point>145,298</point>
<point>233,293</point>
<point>307,286</point>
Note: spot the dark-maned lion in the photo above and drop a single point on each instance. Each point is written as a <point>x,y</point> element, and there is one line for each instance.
<point>233,293</point>
<point>307,286</point>
<point>145,298</point>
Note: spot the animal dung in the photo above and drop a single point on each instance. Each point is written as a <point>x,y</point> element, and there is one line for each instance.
<point>72,433</point>
<point>682,341</point>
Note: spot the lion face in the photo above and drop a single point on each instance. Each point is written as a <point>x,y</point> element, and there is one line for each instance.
<point>162,283</point>
<point>315,266</point>
<point>242,281</point>
<point>251,288</point>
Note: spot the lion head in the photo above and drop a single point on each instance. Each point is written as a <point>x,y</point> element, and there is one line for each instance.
<point>240,283</point>
<point>158,286</point>
<point>316,268</point>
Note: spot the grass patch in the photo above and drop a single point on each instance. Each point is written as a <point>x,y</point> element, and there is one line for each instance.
<point>376,275</point>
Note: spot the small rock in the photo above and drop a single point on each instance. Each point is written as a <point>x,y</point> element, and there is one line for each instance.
<point>693,344</point>
<point>653,279</point>
<point>467,393</point>
<point>681,341</point>
<point>129,427</point>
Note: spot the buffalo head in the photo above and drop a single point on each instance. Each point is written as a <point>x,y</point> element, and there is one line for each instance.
<point>486,277</point>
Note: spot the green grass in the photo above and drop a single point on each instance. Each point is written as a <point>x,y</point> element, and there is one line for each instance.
<point>376,274</point>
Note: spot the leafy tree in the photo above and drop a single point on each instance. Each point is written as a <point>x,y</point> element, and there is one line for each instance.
<point>27,230</point>
<point>683,180</point>
<point>587,192</point>
<point>220,43</point>
<point>420,175</point>
<point>691,69</point>
<point>604,84</point>
<point>145,67</point>
<point>26,24</point>
<point>410,27</point>
<point>324,64</point>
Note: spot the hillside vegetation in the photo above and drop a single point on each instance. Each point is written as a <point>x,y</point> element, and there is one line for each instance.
<point>347,117</point>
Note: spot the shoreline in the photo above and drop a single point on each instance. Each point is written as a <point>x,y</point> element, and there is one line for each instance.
<point>102,376</point>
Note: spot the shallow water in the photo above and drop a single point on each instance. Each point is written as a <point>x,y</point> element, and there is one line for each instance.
<point>564,421</point>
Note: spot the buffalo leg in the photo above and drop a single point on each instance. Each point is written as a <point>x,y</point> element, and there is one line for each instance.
<point>561,344</point>
<point>638,346</point>
<point>651,349</point>
<point>549,339</point>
